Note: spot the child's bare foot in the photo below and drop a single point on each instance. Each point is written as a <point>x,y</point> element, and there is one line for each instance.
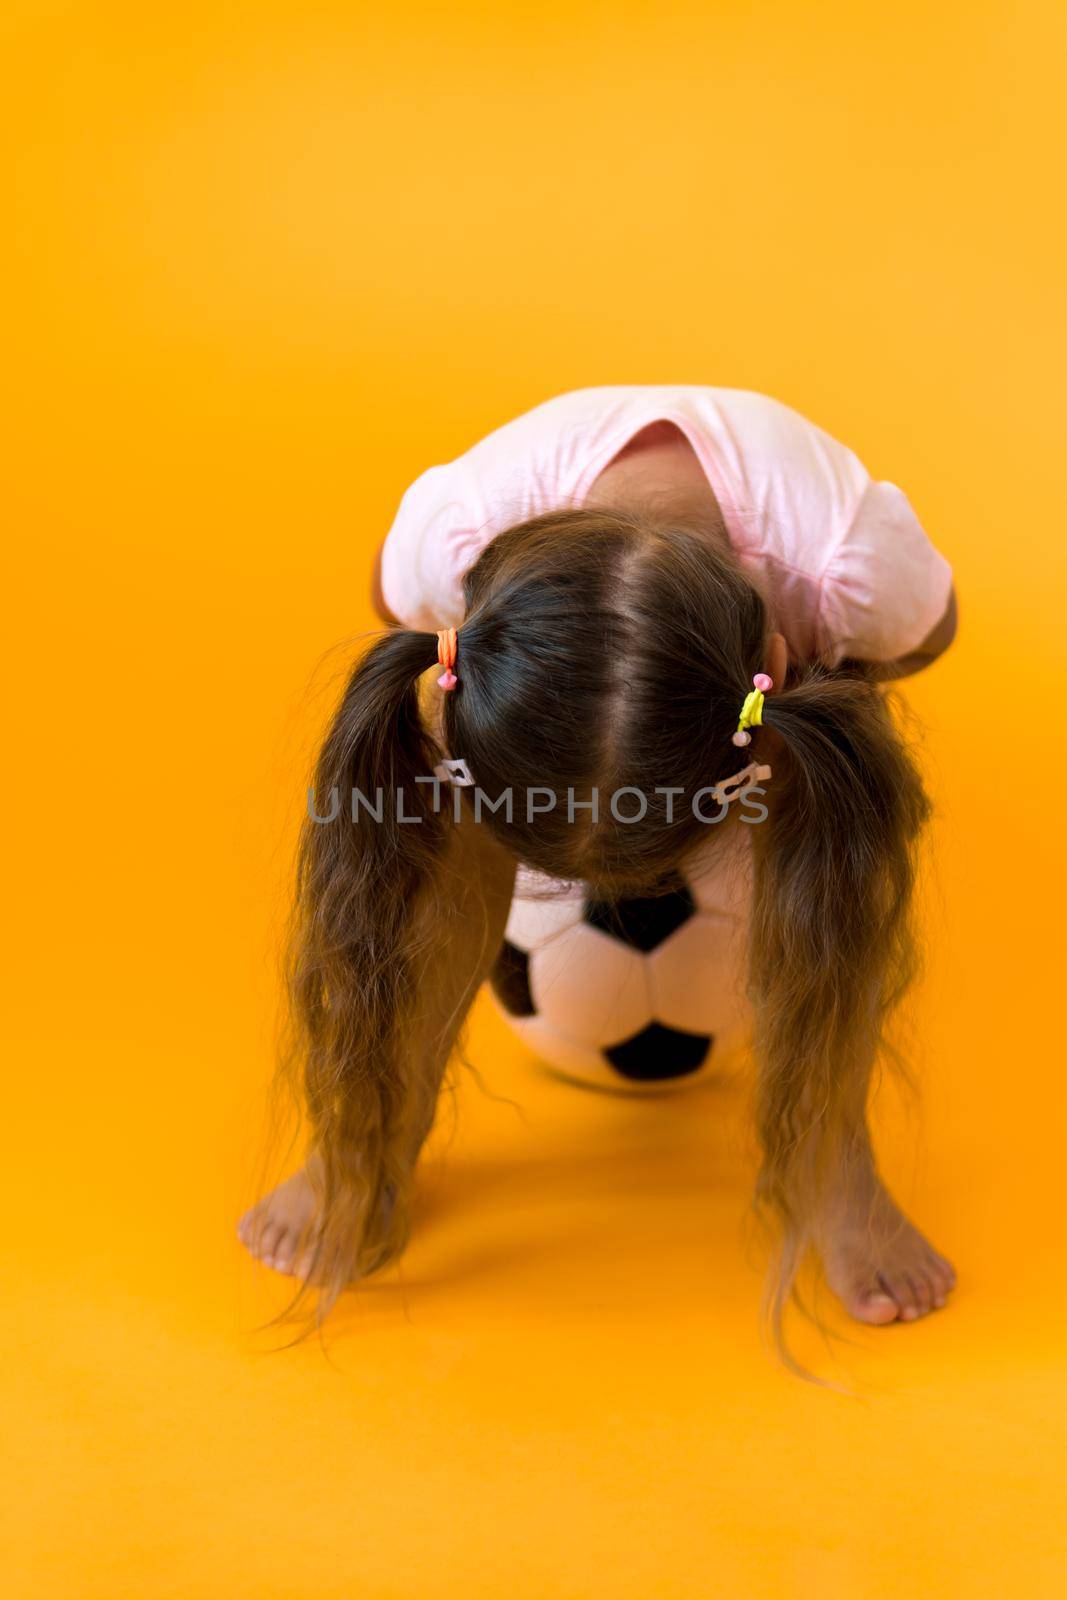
<point>277,1230</point>
<point>879,1265</point>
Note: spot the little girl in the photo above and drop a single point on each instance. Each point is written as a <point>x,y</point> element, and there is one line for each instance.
<point>640,587</point>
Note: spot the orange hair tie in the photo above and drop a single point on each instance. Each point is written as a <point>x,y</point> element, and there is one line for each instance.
<point>446,657</point>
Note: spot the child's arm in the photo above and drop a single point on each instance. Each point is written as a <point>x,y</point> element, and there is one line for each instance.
<point>934,645</point>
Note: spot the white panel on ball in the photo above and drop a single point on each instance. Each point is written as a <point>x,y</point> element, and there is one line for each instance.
<point>697,978</point>
<point>591,987</point>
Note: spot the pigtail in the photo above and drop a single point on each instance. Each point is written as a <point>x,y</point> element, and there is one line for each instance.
<point>356,945</point>
<point>832,944</point>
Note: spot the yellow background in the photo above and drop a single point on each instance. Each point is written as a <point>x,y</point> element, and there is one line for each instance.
<point>267,262</point>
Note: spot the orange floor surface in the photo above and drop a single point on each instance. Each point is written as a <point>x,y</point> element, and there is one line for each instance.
<point>266,263</point>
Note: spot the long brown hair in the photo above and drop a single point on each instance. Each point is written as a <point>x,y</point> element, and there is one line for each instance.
<point>600,650</point>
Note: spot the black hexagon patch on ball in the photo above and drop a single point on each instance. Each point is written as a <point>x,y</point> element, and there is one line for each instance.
<point>510,981</point>
<point>643,923</point>
<point>657,1054</point>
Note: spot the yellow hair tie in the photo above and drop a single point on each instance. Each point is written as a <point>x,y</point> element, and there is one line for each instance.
<point>752,710</point>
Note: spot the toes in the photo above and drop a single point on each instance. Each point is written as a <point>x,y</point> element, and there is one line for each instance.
<point>284,1251</point>
<point>914,1294</point>
<point>291,1254</point>
<point>869,1302</point>
<point>898,1296</point>
<point>900,1287</point>
<point>945,1275</point>
<point>924,1295</point>
<point>917,1299</point>
<point>276,1244</point>
<point>262,1237</point>
<point>267,1242</point>
<point>940,1285</point>
<point>942,1279</point>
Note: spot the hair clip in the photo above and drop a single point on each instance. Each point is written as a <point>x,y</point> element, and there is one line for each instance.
<point>730,788</point>
<point>752,710</point>
<point>454,771</point>
<point>446,657</point>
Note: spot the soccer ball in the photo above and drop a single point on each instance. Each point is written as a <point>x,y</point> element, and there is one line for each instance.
<point>633,994</point>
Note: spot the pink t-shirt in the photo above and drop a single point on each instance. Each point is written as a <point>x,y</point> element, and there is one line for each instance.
<point>841,559</point>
